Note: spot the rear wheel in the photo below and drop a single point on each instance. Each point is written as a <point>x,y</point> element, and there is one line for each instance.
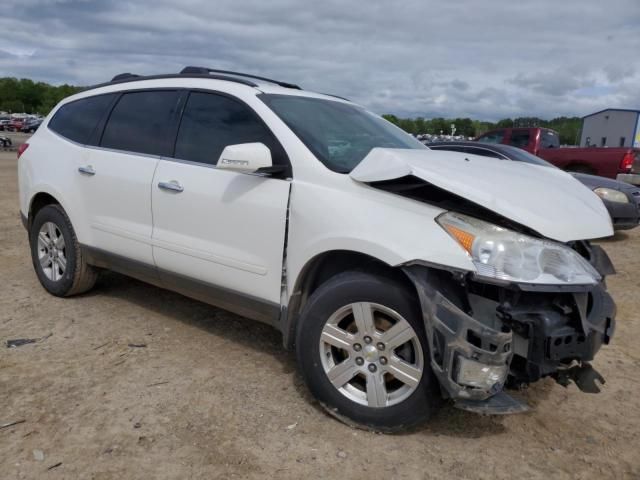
<point>363,353</point>
<point>56,255</point>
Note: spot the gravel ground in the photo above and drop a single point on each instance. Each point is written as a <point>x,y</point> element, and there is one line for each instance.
<point>213,395</point>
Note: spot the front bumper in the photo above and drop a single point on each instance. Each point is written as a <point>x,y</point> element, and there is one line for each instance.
<point>624,216</point>
<point>529,333</point>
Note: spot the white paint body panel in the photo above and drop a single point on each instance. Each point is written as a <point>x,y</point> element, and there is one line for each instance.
<point>117,202</point>
<point>224,228</point>
<point>228,228</point>
<point>547,200</point>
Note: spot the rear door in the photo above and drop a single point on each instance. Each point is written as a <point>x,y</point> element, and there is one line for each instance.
<point>222,232</point>
<point>116,175</point>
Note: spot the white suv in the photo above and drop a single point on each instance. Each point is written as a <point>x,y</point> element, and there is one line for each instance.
<point>400,275</point>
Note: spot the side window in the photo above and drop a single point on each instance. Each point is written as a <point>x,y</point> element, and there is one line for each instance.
<point>492,137</point>
<point>142,122</point>
<point>77,120</point>
<point>519,138</point>
<point>210,122</point>
<point>549,139</point>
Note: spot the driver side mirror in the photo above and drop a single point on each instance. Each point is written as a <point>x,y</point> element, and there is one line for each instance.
<point>245,158</point>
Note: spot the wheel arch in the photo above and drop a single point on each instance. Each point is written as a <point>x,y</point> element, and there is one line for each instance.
<point>38,201</point>
<point>321,268</point>
<point>579,166</point>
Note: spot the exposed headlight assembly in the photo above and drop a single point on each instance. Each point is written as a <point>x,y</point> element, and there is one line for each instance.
<point>611,195</point>
<point>507,255</point>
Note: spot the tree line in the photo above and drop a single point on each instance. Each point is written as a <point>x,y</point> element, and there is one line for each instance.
<point>567,127</point>
<point>26,96</point>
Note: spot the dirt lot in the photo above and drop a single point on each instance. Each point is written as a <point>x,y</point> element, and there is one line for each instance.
<point>213,395</point>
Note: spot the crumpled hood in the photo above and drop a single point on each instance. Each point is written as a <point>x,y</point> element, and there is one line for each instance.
<point>547,200</point>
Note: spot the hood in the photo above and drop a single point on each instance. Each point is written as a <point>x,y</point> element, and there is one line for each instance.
<point>547,200</point>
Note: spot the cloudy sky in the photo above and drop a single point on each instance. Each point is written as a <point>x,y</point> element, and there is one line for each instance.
<point>487,59</point>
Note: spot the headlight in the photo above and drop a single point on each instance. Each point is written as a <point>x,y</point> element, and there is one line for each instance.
<point>611,195</point>
<point>507,255</point>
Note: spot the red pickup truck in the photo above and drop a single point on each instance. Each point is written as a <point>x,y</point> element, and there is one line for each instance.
<point>545,143</point>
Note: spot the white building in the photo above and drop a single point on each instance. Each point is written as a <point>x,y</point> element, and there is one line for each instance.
<point>613,127</point>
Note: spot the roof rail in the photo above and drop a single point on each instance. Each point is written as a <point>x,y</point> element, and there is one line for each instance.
<point>206,71</point>
<point>124,76</point>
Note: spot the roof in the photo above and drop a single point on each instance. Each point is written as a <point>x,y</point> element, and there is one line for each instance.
<point>196,74</point>
<point>611,110</point>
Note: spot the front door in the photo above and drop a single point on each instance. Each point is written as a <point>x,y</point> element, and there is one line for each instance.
<point>220,232</point>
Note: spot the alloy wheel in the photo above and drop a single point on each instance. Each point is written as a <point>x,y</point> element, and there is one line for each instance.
<point>51,251</point>
<point>371,354</point>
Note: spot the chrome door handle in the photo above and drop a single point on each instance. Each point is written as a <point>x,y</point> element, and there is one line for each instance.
<point>172,186</point>
<point>87,170</point>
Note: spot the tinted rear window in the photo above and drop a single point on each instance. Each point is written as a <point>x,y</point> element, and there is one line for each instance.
<point>77,120</point>
<point>142,122</point>
<point>549,139</point>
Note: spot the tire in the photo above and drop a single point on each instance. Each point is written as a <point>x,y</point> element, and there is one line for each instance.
<point>399,406</point>
<point>77,276</point>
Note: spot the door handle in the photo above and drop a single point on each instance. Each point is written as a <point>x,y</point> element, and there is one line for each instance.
<point>87,170</point>
<point>172,186</point>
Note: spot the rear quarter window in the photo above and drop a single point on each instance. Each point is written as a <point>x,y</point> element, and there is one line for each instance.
<point>78,119</point>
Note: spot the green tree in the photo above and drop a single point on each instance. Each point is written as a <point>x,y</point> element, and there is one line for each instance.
<point>26,96</point>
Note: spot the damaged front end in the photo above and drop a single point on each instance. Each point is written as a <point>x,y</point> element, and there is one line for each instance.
<point>487,334</point>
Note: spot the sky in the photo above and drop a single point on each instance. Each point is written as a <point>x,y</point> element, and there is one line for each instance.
<point>484,59</point>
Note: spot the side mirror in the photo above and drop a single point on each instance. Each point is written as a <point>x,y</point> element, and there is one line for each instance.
<point>245,157</point>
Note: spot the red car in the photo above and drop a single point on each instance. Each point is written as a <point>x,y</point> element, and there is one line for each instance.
<point>15,125</point>
<point>545,143</point>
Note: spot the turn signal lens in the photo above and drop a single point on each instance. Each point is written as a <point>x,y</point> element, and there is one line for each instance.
<point>464,238</point>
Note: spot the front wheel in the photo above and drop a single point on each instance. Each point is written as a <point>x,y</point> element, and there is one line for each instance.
<point>363,353</point>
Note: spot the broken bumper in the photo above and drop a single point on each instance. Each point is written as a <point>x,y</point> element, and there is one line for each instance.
<point>481,335</point>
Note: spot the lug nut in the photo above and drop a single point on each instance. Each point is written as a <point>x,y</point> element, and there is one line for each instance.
<point>367,339</point>
<point>359,361</point>
<point>380,346</point>
<point>357,347</point>
<point>372,367</point>
<point>383,360</point>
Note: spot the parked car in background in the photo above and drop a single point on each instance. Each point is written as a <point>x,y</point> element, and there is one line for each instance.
<point>31,126</point>
<point>621,199</point>
<point>15,125</point>
<point>4,123</point>
<point>400,275</point>
<point>621,163</point>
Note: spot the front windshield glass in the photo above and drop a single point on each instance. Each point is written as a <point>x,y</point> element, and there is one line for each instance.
<point>339,134</point>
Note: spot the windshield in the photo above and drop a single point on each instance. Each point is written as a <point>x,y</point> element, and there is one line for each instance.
<point>339,134</point>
